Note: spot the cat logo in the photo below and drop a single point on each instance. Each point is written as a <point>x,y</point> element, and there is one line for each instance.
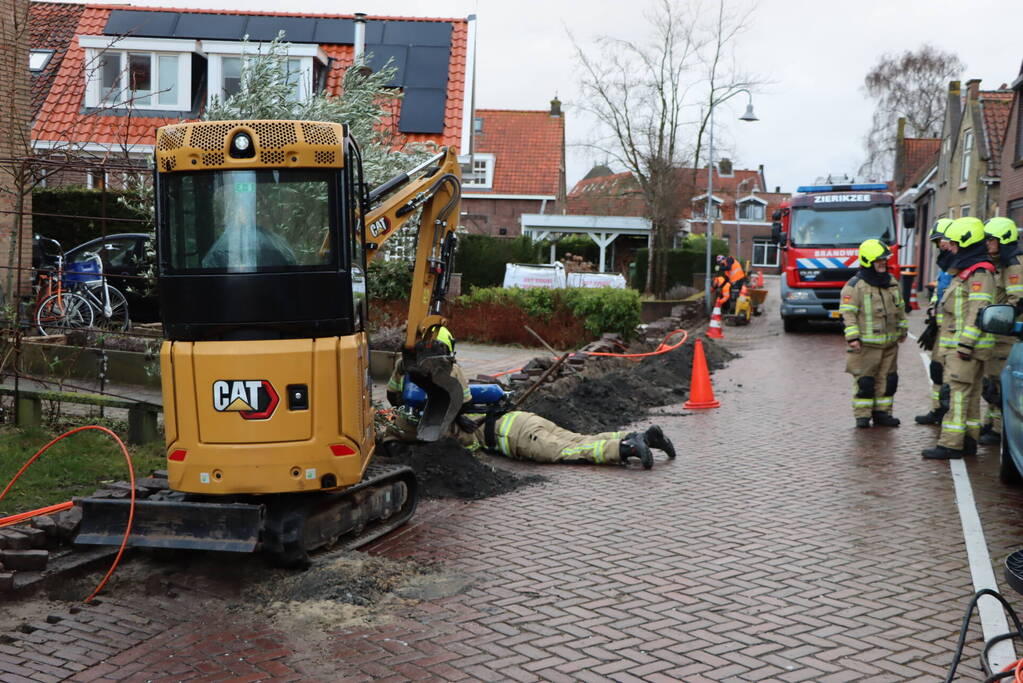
<point>380,226</point>
<point>253,399</point>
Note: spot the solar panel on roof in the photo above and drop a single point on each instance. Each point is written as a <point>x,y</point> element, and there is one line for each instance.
<point>431,33</point>
<point>398,54</point>
<point>296,29</point>
<point>422,111</point>
<point>147,24</point>
<point>211,26</point>
<point>427,67</point>
<point>334,31</point>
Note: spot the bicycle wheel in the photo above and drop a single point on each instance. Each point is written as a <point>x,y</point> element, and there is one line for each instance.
<point>118,319</point>
<point>61,312</point>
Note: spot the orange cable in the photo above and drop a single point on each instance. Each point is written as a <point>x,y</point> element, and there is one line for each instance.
<point>131,508</point>
<point>22,516</point>
<point>663,347</point>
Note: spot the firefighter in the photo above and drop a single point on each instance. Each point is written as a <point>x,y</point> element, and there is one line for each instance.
<point>1003,248</point>
<point>972,288</point>
<point>875,325</point>
<point>523,435</point>
<point>938,345</point>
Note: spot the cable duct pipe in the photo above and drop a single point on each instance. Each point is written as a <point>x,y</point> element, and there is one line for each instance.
<point>360,37</point>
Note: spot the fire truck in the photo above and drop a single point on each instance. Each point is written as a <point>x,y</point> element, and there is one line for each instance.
<point>819,231</point>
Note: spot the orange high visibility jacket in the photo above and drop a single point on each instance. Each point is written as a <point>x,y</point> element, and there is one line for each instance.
<point>733,270</point>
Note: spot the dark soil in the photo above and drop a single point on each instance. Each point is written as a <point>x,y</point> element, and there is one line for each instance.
<point>445,469</point>
<point>611,393</point>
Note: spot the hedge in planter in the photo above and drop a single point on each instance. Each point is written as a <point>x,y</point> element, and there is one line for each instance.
<point>682,263</point>
<point>481,258</point>
<point>67,202</point>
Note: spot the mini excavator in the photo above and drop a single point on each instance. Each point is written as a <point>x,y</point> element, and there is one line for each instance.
<point>264,230</point>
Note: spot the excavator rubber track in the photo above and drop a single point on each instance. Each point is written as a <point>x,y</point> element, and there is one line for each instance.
<point>286,527</point>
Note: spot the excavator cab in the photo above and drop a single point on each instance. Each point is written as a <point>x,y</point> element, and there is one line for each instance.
<point>264,230</point>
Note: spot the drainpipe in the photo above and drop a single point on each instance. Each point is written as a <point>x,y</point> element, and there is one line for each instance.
<point>360,37</point>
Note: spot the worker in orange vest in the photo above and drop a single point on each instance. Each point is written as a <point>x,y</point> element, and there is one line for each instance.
<point>735,279</point>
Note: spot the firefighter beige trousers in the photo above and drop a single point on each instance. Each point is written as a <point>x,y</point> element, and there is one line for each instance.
<point>938,355</point>
<point>526,436</point>
<point>875,378</point>
<point>963,416</point>
<point>993,378</point>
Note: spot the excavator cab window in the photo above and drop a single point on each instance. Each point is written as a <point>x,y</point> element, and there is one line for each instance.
<point>354,184</point>
<point>248,221</point>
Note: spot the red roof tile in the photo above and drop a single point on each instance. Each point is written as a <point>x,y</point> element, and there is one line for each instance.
<point>528,149</point>
<point>51,26</point>
<point>60,121</point>
<point>995,105</point>
<point>920,153</point>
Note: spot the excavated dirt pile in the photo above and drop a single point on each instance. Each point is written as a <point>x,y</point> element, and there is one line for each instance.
<point>609,393</point>
<point>445,469</point>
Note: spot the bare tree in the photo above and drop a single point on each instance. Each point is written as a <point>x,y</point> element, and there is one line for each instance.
<point>911,85</point>
<point>650,100</point>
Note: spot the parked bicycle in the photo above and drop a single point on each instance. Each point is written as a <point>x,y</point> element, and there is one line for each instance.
<point>79,297</point>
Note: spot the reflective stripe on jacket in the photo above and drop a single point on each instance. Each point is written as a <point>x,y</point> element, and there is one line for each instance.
<point>875,316</point>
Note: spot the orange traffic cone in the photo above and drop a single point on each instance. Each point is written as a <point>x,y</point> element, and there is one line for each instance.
<point>701,393</point>
<point>760,279</point>
<point>912,301</point>
<point>715,331</point>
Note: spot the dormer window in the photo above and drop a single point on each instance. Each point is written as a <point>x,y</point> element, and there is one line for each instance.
<point>226,58</point>
<point>142,73</point>
<point>752,209</point>
<point>482,176</point>
<point>699,210</point>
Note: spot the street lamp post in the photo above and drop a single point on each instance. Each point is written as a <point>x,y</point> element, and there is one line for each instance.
<point>708,205</point>
<point>738,217</point>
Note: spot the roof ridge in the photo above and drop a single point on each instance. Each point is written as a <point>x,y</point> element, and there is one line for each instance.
<point>519,111</point>
<point>306,15</point>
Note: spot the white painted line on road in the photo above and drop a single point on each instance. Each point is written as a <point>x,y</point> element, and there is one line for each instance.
<point>992,618</point>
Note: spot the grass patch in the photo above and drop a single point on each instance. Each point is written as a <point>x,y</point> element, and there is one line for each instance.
<point>75,466</point>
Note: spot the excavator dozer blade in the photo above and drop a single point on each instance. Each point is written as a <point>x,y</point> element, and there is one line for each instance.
<point>444,396</point>
<point>186,525</point>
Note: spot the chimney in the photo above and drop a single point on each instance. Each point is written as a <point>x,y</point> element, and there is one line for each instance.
<point>899,173</point>
<point>777,189</point>
<point>973,89</point>
<point>725,167</point>
<point>360,37</point>
<point>955,107</point>
<point>555,107</point>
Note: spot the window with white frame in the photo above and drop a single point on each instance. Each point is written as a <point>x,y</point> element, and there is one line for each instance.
<point>225,60</point>
<point>38,59</point>
<point>142,73</point>
<point>964,166</point>
<point>482,175</point>
<point>751,210</point>
<point>700,211</point>
<point>765,253</point>
<point>964,210</point>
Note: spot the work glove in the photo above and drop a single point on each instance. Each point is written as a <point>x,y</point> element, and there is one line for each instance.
<point>929,335</point>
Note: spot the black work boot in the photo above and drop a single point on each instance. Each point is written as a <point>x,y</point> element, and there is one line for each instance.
<point>943,453</point>
<point>990,438</point>
<point>634,445</point>
<point>885,419</point>
<point>863,422</point>
<point>932,418</point>
<point>655,438</point>
<point>969,445</point>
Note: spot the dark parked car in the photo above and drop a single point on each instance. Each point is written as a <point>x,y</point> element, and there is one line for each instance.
<point>1001,319</point>
<point>124,261</point>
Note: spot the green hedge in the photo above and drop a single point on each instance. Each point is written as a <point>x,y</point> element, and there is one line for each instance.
<point>682,263</point>
<point>67,202</point>
<point>481,258</point>
<point>603,310</point>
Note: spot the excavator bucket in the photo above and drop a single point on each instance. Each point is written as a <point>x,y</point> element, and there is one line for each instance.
<point>444,396</point>
<point>186,525</point>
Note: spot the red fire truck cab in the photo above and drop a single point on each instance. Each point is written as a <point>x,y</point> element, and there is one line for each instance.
<point>819,231</point>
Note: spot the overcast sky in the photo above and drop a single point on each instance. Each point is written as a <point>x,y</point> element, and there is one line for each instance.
<point>812,117</point>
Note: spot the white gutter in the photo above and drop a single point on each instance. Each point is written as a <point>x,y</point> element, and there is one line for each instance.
<point>469,91</point>
<point>537,197</point>
<point>91,146</point>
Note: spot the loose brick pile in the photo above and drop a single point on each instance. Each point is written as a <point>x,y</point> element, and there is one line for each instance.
<point>42,547</point>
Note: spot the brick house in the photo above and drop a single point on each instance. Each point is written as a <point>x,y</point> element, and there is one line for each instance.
<point>969,164</point>
<point>1011,195</point>
<point>129,70</point>
<point>914,158</point>
<point>742,207</point>
<point>518,167</point>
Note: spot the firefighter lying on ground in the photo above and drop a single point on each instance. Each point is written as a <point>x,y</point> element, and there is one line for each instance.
<point>522,435</point>
<point>1003,248</point>
<point>972,288</point>
<point>930,338</point>
<point>875,325</point>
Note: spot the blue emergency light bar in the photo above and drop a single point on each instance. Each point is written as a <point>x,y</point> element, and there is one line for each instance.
<point>858,187</point>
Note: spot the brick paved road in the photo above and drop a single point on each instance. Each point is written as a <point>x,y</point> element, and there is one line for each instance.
<point>782,544</point>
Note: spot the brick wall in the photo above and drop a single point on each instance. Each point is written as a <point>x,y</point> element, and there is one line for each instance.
<point>15,127</point>
<point>488,216</point>
<point>1012,173</point>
